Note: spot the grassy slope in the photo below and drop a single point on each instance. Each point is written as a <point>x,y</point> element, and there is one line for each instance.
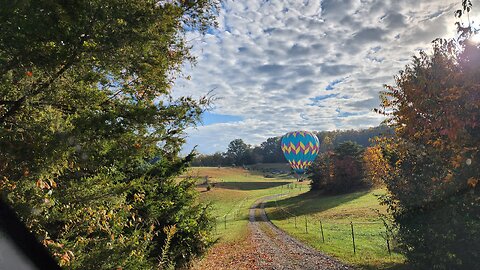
<point>336,213</point>
<point>236,189</point>
<point>234,192</point>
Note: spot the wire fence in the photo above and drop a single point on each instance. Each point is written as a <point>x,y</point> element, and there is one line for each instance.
<point>365,230</point>
<point>234,213</point>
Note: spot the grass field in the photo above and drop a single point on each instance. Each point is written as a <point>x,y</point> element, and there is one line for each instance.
<point>336,213</point>
<point>234,191</point>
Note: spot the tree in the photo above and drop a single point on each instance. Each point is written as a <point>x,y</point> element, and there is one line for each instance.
<point>348,168</point>
<point>272,151</point>
<point>214,160</point>
<point>326,144</point>
<point>339,172</point>
<point>238,152</point>
<point>90,134</point>
<point>433,185</point>
<point>377,168</point>
<point>256,155</point>
<point>321,171</point>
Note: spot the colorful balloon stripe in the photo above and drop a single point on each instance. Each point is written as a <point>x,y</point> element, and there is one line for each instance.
<point>300,149</point>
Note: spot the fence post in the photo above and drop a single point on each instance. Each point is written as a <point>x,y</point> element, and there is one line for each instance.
<point>216,221</point>
<point>321,229</point>
<point>295,221</point>
<point>388,240</point>
<point>225,218</point>
<point>353,238</point>
<point>306,224</point>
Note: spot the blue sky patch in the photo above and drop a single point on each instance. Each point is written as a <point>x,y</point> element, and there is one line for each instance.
<point>342,114</point>
<point>317,99</point>
<point>331,85</point>
<point>209,118</point>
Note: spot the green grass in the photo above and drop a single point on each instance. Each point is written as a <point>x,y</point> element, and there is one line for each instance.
<point>237,189</point>
<point>336,213</point>
<point>234,192</point>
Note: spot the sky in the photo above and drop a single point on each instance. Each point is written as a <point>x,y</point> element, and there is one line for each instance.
<point>282,65</point>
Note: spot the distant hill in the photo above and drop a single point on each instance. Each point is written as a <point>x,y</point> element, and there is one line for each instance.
<point>270,151</point>
<point>361,136</point>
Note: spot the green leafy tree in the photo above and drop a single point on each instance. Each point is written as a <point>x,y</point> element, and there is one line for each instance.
<point>433,184</point>
<point>272,150</point>
<point>89,133</point>
<point>238,152</point>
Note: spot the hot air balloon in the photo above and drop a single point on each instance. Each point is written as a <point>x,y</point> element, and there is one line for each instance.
<point>300,149</point>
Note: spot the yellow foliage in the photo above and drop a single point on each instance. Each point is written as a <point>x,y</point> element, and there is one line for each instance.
<point>376,166</point>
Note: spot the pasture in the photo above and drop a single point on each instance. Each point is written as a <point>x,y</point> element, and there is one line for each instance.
<point>234,190</point>
<point>336,215</point>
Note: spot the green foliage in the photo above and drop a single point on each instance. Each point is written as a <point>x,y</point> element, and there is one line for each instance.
<point>90,134</point>
<point>433,185</point>
<point>165,263</point>
<point>238,152</point>
<point>213,160</point>
<point>339,171</point>
<point>321,171</point>
<point>272,151</point>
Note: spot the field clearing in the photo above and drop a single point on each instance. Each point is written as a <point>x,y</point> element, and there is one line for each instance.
<point>234,191</point>
<point>336,214</point>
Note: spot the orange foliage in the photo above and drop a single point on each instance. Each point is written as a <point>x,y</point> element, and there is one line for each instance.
<point>376,166</point>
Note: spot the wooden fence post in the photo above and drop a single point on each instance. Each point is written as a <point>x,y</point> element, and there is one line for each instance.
<point>306,224</point>
<point>388,240</point>
<point>353,238</point>
<point>321,229</point>
<point>225,222</point>
<point>295,221</point>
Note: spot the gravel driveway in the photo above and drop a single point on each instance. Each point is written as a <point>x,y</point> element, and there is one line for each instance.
<point>277,250</point>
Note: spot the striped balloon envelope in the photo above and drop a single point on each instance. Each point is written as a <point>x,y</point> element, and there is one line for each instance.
<point>300,149</point>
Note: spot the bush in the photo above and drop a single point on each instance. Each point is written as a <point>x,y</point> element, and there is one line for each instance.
<point>340,171</point>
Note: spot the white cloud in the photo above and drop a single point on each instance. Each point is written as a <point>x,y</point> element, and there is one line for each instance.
<point>269,59</point>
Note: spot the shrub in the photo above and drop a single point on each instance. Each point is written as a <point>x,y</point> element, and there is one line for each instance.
<point>340,171</point>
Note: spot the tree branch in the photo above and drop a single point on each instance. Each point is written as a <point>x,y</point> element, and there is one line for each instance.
<point>17,104</point>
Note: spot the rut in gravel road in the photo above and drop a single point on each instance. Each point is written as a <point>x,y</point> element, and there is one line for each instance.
<point>277,250</point>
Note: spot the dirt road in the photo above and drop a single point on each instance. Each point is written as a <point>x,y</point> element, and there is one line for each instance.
<point>277,250</point>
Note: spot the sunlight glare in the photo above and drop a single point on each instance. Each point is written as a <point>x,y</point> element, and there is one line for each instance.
<point>476,38</point>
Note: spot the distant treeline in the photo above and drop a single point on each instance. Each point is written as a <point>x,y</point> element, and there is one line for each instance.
<point>239,153</point>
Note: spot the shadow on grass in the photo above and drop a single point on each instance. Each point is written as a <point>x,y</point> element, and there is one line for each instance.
<point>249,185</point>
<point>310,203</point>
<point>386,266</point>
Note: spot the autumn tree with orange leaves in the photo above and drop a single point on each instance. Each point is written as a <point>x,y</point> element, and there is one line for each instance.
<point>376,165</point>
<point>433,185</point>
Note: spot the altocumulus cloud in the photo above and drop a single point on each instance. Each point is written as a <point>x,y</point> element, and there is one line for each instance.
<point>283,65</point>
